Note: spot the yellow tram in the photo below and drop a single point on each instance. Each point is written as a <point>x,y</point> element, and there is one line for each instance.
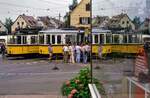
<point>118,42</point>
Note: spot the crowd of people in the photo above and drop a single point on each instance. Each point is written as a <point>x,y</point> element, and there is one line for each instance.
<point>76,53</point>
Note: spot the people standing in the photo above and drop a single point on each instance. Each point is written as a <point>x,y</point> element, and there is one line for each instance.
<point>100,51</point>
<point>86,51</point>
<point>78,53</point>
<point>66,53</point>
<point>71,54</point>
<point>3,50</point>
<point>50,51</point>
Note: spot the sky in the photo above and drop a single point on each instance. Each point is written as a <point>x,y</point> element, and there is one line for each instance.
<point>52,8</point>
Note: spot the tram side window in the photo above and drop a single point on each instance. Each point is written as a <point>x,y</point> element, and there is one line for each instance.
<point>33,40</point>
<point>24,40</point>
<point>116,39</point>
<point>108,38</point>
<point>130,38</point>
<point>59,39</point>
<point>41,39</point>
<point>101,38</point>
<point>48,39</point>
<point>18,39</point>
<point>53,39</point>
<point>96,39</point>
<point>70,38</point>
<point>125,39</point>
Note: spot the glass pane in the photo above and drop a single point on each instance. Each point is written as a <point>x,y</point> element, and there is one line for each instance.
<point>41,39</point>
<point>108,38</point>
<point>96,39</point>
<point>48,39</point>
<point>53,39</point>
<point>130,38</point>
<point>32,39</point>
<point>116,39</point>
<point>101,38</point>
<point>18,39</point>
<point>59,39</point>
<point>125,39</point>
<point>24,40</point>
<point>70,38</point>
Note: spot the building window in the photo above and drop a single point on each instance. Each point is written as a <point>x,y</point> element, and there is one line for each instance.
<point>17,23</point>
<point>127,22</point>
<point>22,23</point>
<point>85,20</point>
<point>122,22</point>
<point>88,7</point>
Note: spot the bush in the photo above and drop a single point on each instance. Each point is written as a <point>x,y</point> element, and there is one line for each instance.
<point>78,86</point>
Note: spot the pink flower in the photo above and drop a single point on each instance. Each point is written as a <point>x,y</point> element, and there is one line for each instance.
<point>73,91</point>
<point>68,83</point>
<point>70,96</point>
<point>77,81</point>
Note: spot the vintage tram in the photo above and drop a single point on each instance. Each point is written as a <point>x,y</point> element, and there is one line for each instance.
<point>113,42</point>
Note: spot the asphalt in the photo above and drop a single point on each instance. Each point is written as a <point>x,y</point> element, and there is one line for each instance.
<point>19,76</point>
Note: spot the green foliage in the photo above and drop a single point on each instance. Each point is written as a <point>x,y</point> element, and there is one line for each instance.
<point>137,22</point>
<point>79,84</point>
<point>8,24</point>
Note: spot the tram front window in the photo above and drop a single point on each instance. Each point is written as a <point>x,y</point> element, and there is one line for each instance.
<point>59,39</point>
<point>41,39</point>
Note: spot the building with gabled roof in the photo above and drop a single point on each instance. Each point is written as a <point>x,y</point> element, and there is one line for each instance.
<point>121,21</point>
<point>24,21</point>
<point>80,15</point>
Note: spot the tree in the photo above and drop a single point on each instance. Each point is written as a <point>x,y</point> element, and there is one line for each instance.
<point>67,20</point>
<point>8,24</point>
<point>137,22</point>
<point>73,5</point>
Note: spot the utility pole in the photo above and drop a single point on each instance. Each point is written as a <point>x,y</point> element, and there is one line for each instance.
<point>59,18</point>
<point>91,63</point>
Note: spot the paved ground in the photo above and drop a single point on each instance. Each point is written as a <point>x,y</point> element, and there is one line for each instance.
<point>19,76</point>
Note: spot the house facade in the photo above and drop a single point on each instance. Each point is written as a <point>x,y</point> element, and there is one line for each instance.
<point>2,28</point>
<point>48,22</point>
<point>80,15</point>
<point>121,21</point>
<point>22,22</point>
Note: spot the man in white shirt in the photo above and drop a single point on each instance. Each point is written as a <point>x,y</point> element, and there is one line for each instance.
<point>66,53</point>
<point>78,53</point>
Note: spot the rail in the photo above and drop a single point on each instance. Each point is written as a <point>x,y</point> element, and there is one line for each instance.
<point>94,92</point>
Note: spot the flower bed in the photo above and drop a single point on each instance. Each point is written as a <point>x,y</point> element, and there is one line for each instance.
<point>78,86</point>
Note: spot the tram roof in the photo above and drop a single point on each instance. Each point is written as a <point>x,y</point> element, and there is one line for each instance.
<point>60,31</point>
<point>100,31</point>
